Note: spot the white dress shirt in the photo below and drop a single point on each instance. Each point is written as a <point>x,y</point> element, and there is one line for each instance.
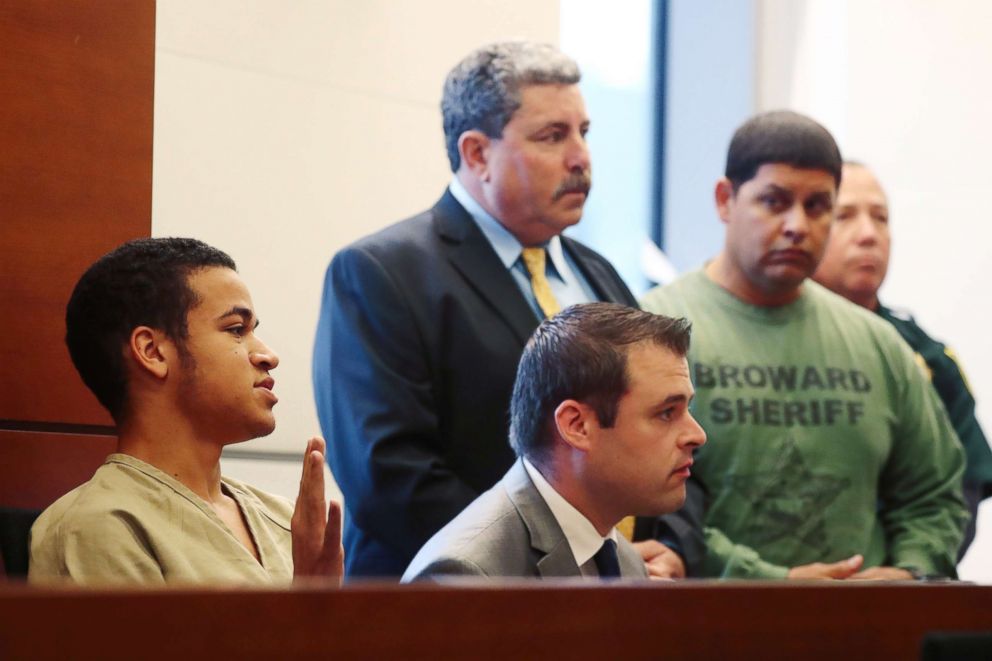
<point>567,282</point>
<point>582,537</point>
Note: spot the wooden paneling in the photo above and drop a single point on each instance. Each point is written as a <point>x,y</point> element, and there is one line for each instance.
<point>36,468</point>
<point>543,621</point>
<point>75,180</point>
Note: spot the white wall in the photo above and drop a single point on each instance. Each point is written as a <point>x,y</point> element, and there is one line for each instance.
<point>902,85</point>
<point>285,130</point>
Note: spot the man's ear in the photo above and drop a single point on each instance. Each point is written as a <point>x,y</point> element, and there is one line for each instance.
<point>473,147</point>
<point>575,422</point>
<point>724,196</point>
<point>152,351</point>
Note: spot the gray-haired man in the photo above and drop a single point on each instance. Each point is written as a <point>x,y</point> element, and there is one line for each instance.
<point>423,323</point>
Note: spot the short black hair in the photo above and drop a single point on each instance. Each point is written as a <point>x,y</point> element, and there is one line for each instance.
<point>141,283</point>
<point>581,354</point>
<point>781,136</point>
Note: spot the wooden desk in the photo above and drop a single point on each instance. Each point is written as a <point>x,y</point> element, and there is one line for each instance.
<point>699,620</point>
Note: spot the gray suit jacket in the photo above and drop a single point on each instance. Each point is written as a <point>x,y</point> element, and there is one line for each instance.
<point>507,531</point>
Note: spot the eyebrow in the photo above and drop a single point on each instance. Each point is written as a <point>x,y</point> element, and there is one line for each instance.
<point>552,125</point>
<point>561,126</point>
<point>673,399</point>
<point>246,314</point>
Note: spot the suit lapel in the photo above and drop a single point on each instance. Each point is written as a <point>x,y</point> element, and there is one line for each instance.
<point>558,562</point>
<point>471,254</point>
<point>631,563</point>
<point>599,275</point>
<point>546,536</point>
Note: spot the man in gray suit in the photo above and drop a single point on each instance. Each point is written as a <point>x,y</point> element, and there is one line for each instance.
<point>600,423</point>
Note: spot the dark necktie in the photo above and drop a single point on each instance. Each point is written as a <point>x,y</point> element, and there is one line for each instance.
<point>606,560</point>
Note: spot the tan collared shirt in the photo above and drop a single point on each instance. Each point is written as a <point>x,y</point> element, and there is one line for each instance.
<point>132,523</point>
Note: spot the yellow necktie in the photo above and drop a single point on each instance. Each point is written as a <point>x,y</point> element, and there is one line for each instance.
<point>626,527</point>
<point>534,261</point>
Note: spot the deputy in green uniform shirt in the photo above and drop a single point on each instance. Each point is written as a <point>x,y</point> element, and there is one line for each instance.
<point>854,266</point>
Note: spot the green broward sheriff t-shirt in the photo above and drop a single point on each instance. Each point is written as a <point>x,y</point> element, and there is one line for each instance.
<point>824,437</point>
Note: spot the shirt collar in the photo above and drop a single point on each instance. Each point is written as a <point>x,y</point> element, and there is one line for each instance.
<point>580,533</point>
<point>507,247</point>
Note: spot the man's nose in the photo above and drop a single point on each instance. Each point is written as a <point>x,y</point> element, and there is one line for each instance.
<point>867,232</point>
<point>797,222</point>
<point>264,357</point>
<point>694,435</point>
<point>577,156</point>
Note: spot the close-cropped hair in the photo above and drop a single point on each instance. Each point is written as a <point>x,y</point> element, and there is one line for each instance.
<point>484,90</point>
<point>581,354</point>
<point>141,283</point>
<point>781,136</point>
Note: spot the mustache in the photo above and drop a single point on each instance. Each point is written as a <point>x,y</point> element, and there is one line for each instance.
<point>579,182</point>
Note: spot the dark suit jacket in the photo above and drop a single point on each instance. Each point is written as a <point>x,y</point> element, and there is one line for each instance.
<point>508,531</point>
<point>421,328</point>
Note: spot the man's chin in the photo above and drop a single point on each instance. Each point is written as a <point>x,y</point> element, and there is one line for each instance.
<point>865,286</point>
<point>672,501</point>
<point>565,220</point>
<point>263,428</point>
<point>787,278</point>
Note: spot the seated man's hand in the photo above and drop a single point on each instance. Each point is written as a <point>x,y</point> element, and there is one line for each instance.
<point>883,574</point>
<point>828,570</point>
<point>317,549</point>
<point>661,561</point>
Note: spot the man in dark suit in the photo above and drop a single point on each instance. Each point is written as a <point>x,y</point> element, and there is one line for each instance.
<point>600,420</point>
<point>423,323</point>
